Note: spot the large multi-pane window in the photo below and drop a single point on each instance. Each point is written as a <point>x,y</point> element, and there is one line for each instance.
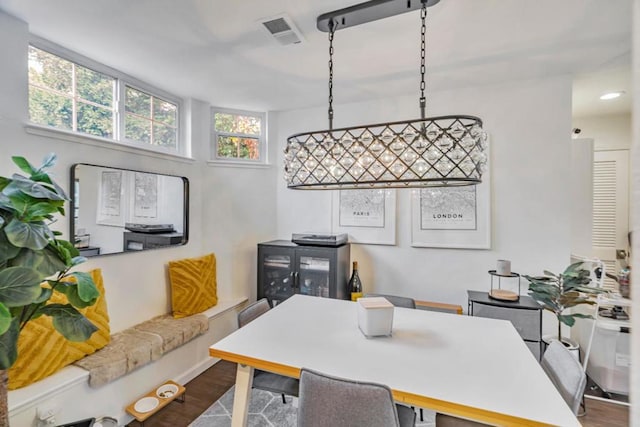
<point>150,119</point>
<point>66,95</point>
<point>70,96</point>
<point>238,135</point>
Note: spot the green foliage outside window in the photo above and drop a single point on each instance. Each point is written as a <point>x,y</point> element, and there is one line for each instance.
<point>68,96</point>
<point>150,119</point>
<point>53,97</point>
<point>238,136</point>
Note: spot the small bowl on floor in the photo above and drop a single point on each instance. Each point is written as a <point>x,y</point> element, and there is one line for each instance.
<point>166,391</point>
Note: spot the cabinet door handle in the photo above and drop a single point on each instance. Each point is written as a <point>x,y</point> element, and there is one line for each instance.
<point>295,280</point>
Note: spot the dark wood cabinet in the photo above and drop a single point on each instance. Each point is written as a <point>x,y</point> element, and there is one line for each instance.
<point>286,268</point>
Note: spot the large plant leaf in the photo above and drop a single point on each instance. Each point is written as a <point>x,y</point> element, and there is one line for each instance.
<point>32,235</point>
<point>570,319</point>
<point>7,250</point>
<point>87,290</point>
<point>47,261</point>
<point>72,291</point>
<point>60,192</point>
<point>69,322</point>
<point>4,182</point>
<point>21,201</point>
<point>41,210</point>
<point>19,286</point>
<point>68,250</point>
<point>9,345</point>
<point>48,162</point>
<point>32,188</point>
<point>24,165</point>
<point>5,318</point>
<point>44,295</point>
<point>5,203</point>
<point>567,319</point>
<point>574,268</point>
<point>77,260</point>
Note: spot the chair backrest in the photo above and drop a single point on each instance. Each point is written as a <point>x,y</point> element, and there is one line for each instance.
<point>337,402</point>
<point>253,311</point>
<point>396,300</point>
<point>565,373</point>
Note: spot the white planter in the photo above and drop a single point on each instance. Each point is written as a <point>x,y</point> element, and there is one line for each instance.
<point>570,344</point>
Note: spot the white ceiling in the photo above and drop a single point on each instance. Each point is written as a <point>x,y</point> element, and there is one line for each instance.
<point>216,50</point>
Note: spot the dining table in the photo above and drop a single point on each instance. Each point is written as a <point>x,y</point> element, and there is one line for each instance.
<point>469,367</point>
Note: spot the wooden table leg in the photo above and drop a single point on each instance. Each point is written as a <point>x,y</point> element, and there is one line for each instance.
<point>244,382</point>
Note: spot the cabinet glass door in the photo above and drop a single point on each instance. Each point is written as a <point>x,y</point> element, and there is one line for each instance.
<point>278,283</point>
<point>314,274</point>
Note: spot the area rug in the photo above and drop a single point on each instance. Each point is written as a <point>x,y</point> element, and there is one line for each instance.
<point>266,410</point>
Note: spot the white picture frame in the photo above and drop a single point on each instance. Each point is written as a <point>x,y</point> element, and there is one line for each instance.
<point>368,216</point>
<point>462,219</point>
<point>144,197</point>
<point>111,207</point>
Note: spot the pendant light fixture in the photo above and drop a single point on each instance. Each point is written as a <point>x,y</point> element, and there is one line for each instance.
<point>425,152</point>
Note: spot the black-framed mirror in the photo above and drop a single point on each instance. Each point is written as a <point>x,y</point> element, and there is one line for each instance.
<point>121,210</point>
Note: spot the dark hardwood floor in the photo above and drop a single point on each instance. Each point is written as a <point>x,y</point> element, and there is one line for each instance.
<point>205,389</point>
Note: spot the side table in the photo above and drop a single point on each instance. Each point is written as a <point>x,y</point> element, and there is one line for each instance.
<point>163,400</point>
<point>525,315</point>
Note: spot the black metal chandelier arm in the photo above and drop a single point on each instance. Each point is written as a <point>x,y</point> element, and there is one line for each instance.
<point>418,121</point>
<point>332,30</point>
<point>423,68</point>
<point>369,11</point>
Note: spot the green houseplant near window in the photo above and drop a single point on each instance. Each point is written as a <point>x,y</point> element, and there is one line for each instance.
<point>559,292</point>
<point>30,253</point>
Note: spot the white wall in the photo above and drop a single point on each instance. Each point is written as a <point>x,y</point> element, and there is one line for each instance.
<point>529,126</point>
<point>231,209</point>
<point>609,132</point>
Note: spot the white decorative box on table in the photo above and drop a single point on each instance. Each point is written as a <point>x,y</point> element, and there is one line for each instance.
<point>375,316</point>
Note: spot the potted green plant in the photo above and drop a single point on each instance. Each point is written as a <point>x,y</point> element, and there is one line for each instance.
<point>560,292</point>
<point>35,263</point>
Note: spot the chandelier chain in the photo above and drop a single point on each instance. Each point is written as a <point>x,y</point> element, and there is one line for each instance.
<point>331,33</point>
<point>423,31</point>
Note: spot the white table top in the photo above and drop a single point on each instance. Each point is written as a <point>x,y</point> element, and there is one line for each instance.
<point>471,366</point>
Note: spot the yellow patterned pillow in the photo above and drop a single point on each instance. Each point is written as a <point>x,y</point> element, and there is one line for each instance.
<point>42,351</point>
<point>193,285</point>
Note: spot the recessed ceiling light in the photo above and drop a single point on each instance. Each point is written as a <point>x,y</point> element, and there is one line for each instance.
<point>611,95</point>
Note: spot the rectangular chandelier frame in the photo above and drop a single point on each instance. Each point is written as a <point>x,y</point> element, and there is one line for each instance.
<point>431,152</point>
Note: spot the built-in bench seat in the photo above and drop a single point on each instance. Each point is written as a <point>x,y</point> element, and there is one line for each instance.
<point>183,343</point>
<point>139,345</point>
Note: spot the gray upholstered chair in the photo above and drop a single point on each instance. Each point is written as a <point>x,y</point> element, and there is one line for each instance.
<point>565,373</point>
<point>329,401</point>
<point>396,300</point>
<point>267,380</point>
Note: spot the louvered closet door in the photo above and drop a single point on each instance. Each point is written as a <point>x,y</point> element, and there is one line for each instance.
<point>610,207</point>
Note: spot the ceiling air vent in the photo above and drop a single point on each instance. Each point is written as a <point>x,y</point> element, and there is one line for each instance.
<point>282,29</point>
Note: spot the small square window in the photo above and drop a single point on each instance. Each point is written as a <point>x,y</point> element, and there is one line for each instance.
<point>238,136</point>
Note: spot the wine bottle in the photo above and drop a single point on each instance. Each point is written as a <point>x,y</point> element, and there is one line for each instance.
<point>355,285</point>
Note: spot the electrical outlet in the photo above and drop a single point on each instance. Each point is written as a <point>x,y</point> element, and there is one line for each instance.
<point>47,411</point>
